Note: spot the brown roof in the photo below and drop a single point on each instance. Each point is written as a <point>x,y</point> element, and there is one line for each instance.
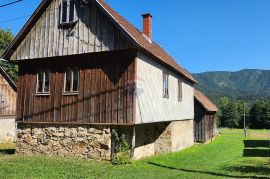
<point>204,101</point>
<point>151,48</point>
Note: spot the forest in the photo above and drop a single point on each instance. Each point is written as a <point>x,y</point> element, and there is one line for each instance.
<point>233,112</point>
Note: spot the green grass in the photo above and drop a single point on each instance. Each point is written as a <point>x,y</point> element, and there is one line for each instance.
<point>222,158</point>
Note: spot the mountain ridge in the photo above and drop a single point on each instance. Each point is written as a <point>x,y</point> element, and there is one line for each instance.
<point>242,84</point>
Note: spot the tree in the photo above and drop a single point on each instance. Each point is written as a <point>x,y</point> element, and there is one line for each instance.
<point>222,103</point>
<point>5,38</point>
<point>260,115</point>
<point>230,116</point>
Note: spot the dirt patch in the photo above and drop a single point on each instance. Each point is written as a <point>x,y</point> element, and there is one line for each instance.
<point>259,134</point>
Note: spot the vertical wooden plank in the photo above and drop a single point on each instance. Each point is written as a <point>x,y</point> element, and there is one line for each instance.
<point>46,33</point>
<point>81,97</point>
<point>105,34</point>
<point>86,17</point>
<point>98,32</point>
<point>51,28</point>
<point>109,95</point>
<point>37,40</point>
<point>55,27</point>
<point>111,35</point>
<point>27,46</point>
<point>19,98</point>
<point>131,89</point>
<point>26,97</point>
<point>42,36</point>
<point>92,28</point>
<point>92,94</point>
<point>97,92</point>
<point>31,96</point>
<point>32,43</point>
<point>121,96</point>
<point>81,31</point>
<point>103,93</point>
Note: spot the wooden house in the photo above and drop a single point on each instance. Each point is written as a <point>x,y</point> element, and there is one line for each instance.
<point>7,107</point>
<point>205,128</point>
<point>85,71</point>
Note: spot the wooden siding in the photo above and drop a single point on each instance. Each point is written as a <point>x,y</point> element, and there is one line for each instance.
<point>151,106</point>
<point>204,124</point>
<point>93,32</point>
<point>106,86</point>
<point>7,99</point>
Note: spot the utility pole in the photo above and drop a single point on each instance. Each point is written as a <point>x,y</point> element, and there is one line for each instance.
<point>245,130</point>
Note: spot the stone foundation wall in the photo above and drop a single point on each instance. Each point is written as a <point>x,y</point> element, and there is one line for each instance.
<point>161,138</point>
<point>93,142</point>
<point>182,135</point>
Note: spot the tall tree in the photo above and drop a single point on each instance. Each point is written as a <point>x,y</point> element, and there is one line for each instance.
<point>260,115</point>
<point>230,115</point>
<point>5,38</point>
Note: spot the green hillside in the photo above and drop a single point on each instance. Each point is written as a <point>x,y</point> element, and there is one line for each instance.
<point>244,84</point>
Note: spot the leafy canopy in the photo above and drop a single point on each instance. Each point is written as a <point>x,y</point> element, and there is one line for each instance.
<point>6,37</point>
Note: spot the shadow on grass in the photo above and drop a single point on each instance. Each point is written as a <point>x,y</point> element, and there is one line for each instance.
<point>206,172</point>
<point>260,170</point>
<point>7,151</point>
<point>256,148</point>
<point>256,143</point>
<point>256,153</point>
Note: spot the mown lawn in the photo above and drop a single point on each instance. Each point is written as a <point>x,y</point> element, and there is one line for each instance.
<point>223,158</point>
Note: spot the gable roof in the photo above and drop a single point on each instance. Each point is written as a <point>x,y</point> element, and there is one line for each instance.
<point>8,79</point>
<point>150,48</point>
<point>204,101</point>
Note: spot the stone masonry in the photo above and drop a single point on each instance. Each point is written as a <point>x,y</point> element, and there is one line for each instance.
<point>92,142</point>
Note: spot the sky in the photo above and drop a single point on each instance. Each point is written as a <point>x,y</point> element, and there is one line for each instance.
<point>201,35</point>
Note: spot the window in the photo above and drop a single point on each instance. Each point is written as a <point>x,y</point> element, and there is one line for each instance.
<point>43,81</point>
<point>180,90</point>
<point>165,85</point>
<point>71,80</point>
<point>67,12</point>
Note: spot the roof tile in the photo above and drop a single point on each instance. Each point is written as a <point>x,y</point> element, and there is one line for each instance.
<point>205,102</point>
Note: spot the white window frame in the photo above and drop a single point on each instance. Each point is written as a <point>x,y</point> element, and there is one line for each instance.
<point>43,71</point>
<point>71,81</point>
<point>165,83</point>
<point>75,16</point>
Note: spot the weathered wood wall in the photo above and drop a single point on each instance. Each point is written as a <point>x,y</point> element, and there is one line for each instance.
<point>106,90</point>
<point>7,99</point>
<point>93,32</point>
<point>204,124</point>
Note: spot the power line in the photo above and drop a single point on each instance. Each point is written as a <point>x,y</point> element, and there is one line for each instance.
<point>17,18</point>
<point>4,5</point>
<point>14,19</point>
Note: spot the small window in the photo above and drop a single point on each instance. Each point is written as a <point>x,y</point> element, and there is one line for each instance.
<point>43,81</point>
<point>165,85</point>
<point>71,80</point>
<point>67,12</point>
<point>180,90</point>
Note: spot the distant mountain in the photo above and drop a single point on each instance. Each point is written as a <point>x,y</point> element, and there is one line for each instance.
<point>244,84</point>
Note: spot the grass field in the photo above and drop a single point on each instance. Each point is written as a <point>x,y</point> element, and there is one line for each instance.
<point>222,158</point>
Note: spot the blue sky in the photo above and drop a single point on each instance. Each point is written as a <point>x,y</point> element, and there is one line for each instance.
<point>202,35</point>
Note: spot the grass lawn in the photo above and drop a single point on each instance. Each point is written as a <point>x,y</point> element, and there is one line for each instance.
<point>222,158</point>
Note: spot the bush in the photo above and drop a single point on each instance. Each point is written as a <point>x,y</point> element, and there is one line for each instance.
<point>122,149</point>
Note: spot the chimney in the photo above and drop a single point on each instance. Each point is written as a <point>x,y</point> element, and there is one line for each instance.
<point>147,25</point>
